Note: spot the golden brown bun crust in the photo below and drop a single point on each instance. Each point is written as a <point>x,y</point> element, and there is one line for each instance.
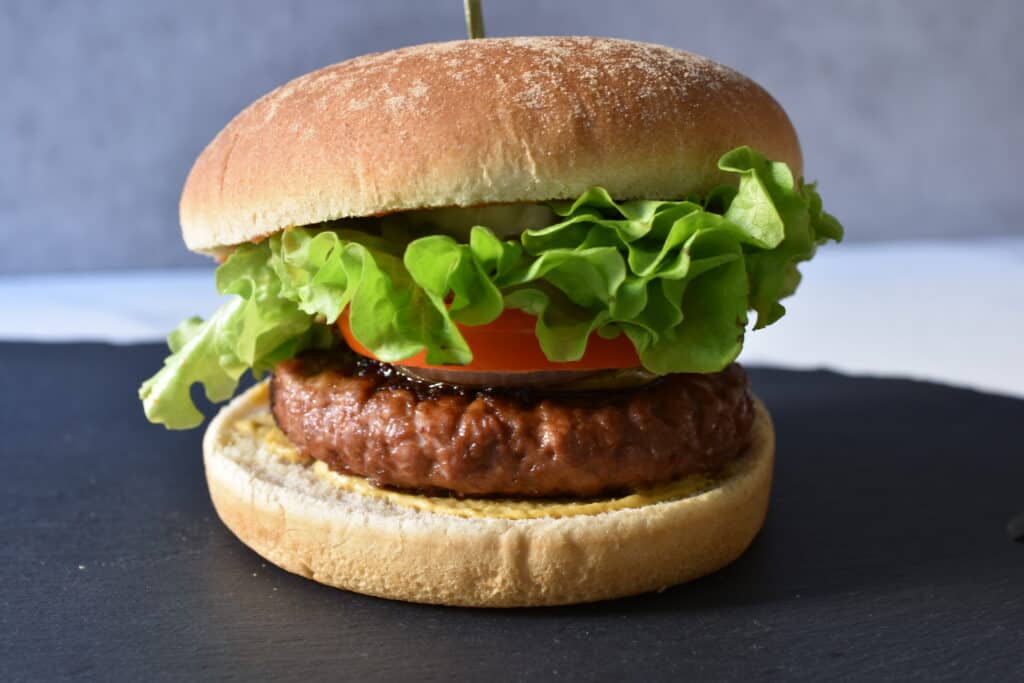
<point>477,122</point>
<point>305,525</point>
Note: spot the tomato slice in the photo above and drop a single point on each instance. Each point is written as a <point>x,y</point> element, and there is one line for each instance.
<point>509,344</point>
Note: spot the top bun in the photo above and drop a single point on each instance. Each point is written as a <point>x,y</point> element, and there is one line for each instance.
<point>475,122</point>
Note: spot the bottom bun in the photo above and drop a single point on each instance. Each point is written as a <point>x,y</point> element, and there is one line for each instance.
<point>314,524</point>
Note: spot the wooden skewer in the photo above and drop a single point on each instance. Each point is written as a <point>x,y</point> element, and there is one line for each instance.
<point>474,19</point>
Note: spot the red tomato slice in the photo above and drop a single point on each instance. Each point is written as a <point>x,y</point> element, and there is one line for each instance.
<point>509,344</point>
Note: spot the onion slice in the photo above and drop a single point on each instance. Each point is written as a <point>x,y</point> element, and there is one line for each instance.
<point>556,380</point>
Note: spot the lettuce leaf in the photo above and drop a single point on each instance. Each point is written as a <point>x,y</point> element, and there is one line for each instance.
<point>676,277</point>
<point>255,330</point>
<point>787,215</point>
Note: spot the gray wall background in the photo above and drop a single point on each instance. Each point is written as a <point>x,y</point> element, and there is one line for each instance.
<point>909,112</point>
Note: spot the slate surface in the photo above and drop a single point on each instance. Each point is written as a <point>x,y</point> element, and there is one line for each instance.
<point>885,554</point>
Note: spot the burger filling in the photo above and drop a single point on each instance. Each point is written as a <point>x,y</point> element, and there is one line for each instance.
<point>572,348</point>
<point>362,417</point>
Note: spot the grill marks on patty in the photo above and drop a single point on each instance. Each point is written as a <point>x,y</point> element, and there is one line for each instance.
<point>365,418</point>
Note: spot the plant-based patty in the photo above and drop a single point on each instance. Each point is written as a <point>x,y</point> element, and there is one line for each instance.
<point>365,418</point>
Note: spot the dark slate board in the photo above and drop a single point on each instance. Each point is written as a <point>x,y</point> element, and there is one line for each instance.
<point>885,554</point>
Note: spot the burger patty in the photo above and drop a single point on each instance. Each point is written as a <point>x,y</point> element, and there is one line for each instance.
<point>366,418</point>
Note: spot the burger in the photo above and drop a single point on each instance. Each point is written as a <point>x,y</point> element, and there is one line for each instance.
<point>499,287</point>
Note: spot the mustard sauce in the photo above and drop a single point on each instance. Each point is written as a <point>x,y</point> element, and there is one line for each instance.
<point>262,426</point>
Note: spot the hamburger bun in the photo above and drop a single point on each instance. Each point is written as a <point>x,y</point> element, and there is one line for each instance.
<point>368,543</point>
<point>469,123</point>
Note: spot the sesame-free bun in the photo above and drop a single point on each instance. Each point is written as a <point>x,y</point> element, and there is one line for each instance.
<point>305,524</point>
<point>469,123</point>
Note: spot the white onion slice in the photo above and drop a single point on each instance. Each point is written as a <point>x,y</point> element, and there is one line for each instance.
<point>565,380</point>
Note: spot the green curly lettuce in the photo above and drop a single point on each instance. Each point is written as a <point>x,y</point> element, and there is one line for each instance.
<point>255,330</point>
<point>676,277</point>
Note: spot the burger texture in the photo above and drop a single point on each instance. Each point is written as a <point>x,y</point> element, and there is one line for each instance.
<point>499,287</point>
